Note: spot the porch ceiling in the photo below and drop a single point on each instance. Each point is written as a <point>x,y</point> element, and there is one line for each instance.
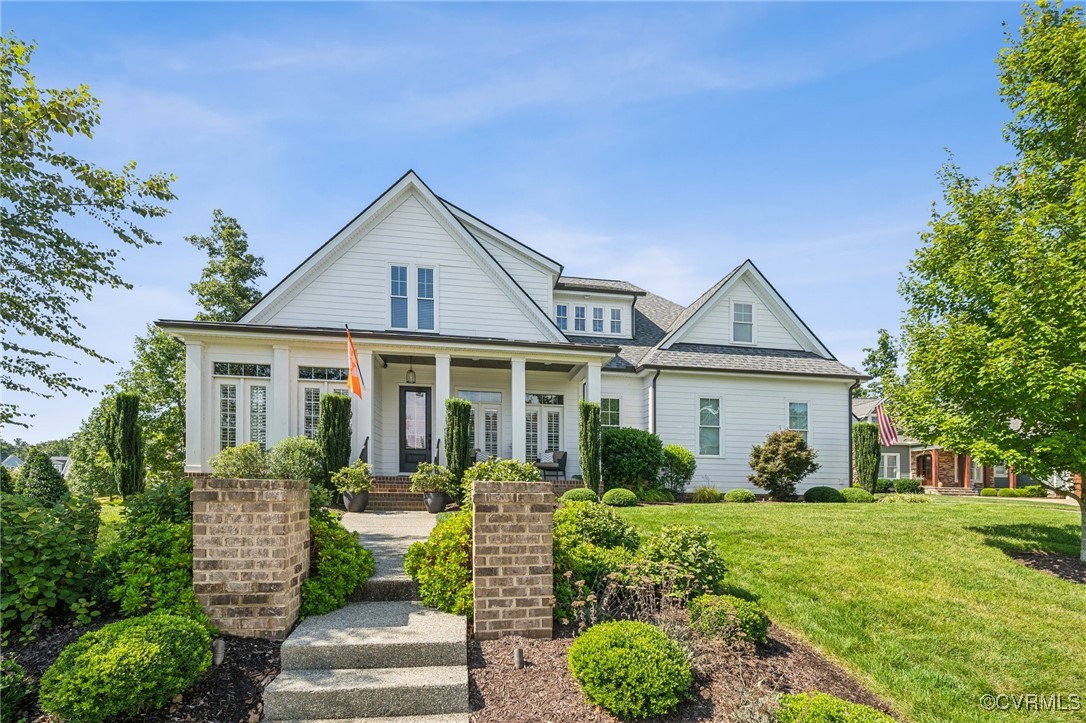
<point>471,362</point>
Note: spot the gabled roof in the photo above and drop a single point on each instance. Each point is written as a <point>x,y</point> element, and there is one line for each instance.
<point>713,357</point>
<point>864,406</point>
<point>606,286</point>
<point>524,250</point>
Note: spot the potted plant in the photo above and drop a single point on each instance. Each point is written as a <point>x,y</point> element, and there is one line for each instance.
<point>354,484</point>
<point>435,483</point>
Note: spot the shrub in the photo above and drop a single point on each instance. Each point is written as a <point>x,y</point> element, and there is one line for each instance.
<point>245,461</point>
<point>883,485</point>
<point>502,470</point>
<point>14,688</point>
<point>691,554</point>
<point>588,442</point>
<point>591,541</point>
<point>825,708</point>
<point>923,499</point>
<point>630,669</point>
<point>39,480</point>
<point>597,524</point>
<point>1005,492</point>
<point>47,552</point>
<point>907,486</point>
<point>655,494</point>
<point>1034,491</point>
<point>866,454</point>
<point>128,667</point>
<point>729,618</point>
<point>678,468</point>
<point>319,498</point>
<point>6,483</point>
<point>458,439</point>
<point>124,444</point>
<point>740,495</point>
<point>334,434</point>
<point>989,492</point>
<point>430,477</point>
<point>167,501</point>
<point>153,572</point>
<point>580,494</point>
<point>857,494</point>
<point>441,565</point>
<point>630,457</point>
<point>781,462</point>
<point>357,477</point>
<point>338,565</point>
<point>823,494</point>
<point>620,497</point>
<point>706,495</point>
<point>296,458</point>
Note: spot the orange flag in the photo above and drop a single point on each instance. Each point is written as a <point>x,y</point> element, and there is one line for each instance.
<point>354,374</point>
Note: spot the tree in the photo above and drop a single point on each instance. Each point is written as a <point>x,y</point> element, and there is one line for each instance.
<point>867,452</point>
<point>38,478</point>
<point>880,363</point>
<point>588,444</point>
<point>225,290</point>
<point>90,469</point>
<point>334,434</point>
<point>781,462</point>
<point>995,332</point>
<point>458,441</point>
<point>125,444</point>
<point>44,269</point>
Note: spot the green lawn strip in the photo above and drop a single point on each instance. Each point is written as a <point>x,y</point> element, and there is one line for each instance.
<point>920,602</point>
<point>107,528</point>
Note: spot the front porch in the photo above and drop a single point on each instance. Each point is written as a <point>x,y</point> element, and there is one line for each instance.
<point>394,493</point>
<point>945,472</point>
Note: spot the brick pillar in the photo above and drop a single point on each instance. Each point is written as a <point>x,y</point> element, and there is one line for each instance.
<point>250,553</point>
<point>513,559</point>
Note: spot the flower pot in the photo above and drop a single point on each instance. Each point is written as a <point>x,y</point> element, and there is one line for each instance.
<point>356,501</point>
<point>435,501</point>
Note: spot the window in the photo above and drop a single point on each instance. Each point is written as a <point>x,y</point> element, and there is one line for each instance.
<point>531,435</point>
<point>228,415</point>
<point>329,374</point>
<point>709,426</point>
<point>609,413</point>
<point>743,323</point>
<point>426,299</point>
<point>616,321</point>
<point>258,415</point>
<point>398,291</point>
<point>480,397</point>
<point>545,399</point>
<point>889,467</point>
<point>243,402</point>
<point>235,369</point>
<point>554,429</point>
<point>485,406</point>
<point>798,418</point>
<point>597,319</point>
<point>578,318</point>
<point>561,315</point>
<point>311,411</point>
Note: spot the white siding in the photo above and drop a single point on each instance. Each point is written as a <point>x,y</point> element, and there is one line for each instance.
<point>715,324</point>
<point>632,392</point>
<point>537,283</point>
<point>354,288</point>
<point>572,298</point>
<point>752,408</point>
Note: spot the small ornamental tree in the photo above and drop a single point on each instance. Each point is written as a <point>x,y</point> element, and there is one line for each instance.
<point>588,443</point>
<point>866,451</point>
<point>458,440</point>
<point>781,462</point>
<point>334,434</point>
<point>39,479</point>
<point>124,444</point>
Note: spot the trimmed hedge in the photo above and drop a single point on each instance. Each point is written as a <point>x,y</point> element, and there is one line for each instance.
<point>630,457</point>
<point>338,565</point>
<point>706,496</point>
<point>1006,492</point>
<point>989,492</point>
<point>245,461</point>
<point>677,468</point>
<point>630,669</point>
<point>884,486</point>
<point>620,497</point>
<point>126,668</point>
<point>441,565</point>
<point>741,496</point>
<point>907,486</point>
<point>825,708</point>
<point>857,494</point>
<point>729,618</point>
<point>697,565</point>
<point>580,494</point>
<point>823,494</point>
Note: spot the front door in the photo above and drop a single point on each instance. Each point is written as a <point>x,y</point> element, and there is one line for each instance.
<point>415,427</point>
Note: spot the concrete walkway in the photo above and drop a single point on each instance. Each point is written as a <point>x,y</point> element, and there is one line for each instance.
<point>388,535</point>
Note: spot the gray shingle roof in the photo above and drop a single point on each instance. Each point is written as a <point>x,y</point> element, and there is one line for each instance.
<point>653,315</point>
<point>747,359</point>
<point>581,283</point>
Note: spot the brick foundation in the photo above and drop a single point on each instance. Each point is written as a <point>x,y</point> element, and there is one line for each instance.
<point>513,559</point>
<point>250,553</point>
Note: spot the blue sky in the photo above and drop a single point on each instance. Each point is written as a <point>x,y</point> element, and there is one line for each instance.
<point>658,143</point>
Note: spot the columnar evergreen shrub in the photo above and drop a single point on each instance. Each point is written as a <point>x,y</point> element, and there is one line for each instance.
<point>677,468</point>
<point>823,494</point>
<point>125,444</point>
<point>630,669</point>
<point>781,462</point>
<point>338,565</point>
<point>857,494</point>
<point>296,458</point>
<point>39,480</point>
<point>706,495</point>
<point>245,461</point>
<point>334,434</point>
<point>588,443</point>
<point>740,495</point>
<point>126,668</point>
<point>580,494</point>
<point>687,554</point>
<point>867,453</point>
<point>630,457</point>
<point>458,440</point>
<point>907,486</point>
<point>729,618</point>
<point>441,565</point>
<point>819,707</point>
<point>620,497</point>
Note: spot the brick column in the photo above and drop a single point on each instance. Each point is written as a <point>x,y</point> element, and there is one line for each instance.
<point>250,553</point>
<point>513,559</point>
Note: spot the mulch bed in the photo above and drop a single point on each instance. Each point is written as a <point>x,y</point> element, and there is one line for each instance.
<point>726,678</point>
<point>227,693</point>
<point>1066,566</point>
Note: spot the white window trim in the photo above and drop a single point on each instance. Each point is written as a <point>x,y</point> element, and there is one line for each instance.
<point>788,416</point>
<point>897,464</point>
<point>753,322</point>
<point>242,421</point>
<point>617,398</point>
<point>611,320</point>
<point>698,425</point>
<point>583,308</point>
<point>413,297</point>
<point>602,319</point>
<point>558,316</point>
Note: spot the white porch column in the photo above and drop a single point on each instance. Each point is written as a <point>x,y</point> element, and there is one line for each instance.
<point>194,398</point>
<point>517,408</point>
<point>593,383</point>
<point>364,408</point>
<point>442,385</point>
<point>279,414</point>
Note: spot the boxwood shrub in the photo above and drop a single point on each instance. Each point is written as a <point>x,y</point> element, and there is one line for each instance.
<point>884,486</point>
<point>126,668</point>
<point>245,461</point>
<point>620,497</point>
<point>857,494</point>
<point>441,565</point>
<point>677,468</point>
<point>989,492</point>
<point>338,565</point>
<point>580,494</point>
<point>630,669</point>
<point>630,457</point>
<point>687,553</point>
<point>907,486</point>
<point>825,708</point>
<point>706,496</point>
<point>729,618</point>
<point>740,495</point>
<point>823,494</point>
<point>1006,492</point>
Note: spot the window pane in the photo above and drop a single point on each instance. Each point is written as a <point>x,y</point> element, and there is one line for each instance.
<point>258,415</point>
<point>241,369</point>
<point>490,432</point>
<point>532,398</point>
<point>709,440</point>
<point>531,435</point>
<point>399,281</point>
<point>597,319</point>
<point>561,314</point>
<point>426,313</point>
<point>710,412</point>
<point>311,411</point>
<point>742,332</point>
<point>797,416</point>
<point>426,283</point>
<point>744,313</point>
<point>616,321</point>
<point>473,396</point>
<point>891,467</point>
<point>554,430</point>
<point>578,318</point>
<point>610,415</point>
<point>228,416</point>
<point>399,312</point>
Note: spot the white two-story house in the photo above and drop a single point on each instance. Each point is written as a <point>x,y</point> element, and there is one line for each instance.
<point>441,304</point>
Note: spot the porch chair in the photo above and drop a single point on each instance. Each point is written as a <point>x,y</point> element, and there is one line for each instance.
<point>557,467</point>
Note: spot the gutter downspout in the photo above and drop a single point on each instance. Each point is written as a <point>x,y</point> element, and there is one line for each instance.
<point>850,450</point>
<point>652,403</point>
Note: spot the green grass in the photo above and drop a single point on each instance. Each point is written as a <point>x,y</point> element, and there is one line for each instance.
<point>110,519</point>
<point>920,602</point>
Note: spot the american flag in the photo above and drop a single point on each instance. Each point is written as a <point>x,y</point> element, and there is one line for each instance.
<point>887,433</point>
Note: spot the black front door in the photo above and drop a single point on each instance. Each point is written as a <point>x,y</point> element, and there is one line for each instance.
<point>415,427</point>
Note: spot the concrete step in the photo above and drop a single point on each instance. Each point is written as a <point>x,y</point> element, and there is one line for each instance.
<point>369,693</point>
<point>387,588</point>
<point>439,718</point>
<point>377,635</point>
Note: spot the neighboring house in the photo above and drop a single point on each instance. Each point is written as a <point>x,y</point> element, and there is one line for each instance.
<point>11,462</point>
<point>896,460</point>
<point>62,464</point>
<point>441,304</point>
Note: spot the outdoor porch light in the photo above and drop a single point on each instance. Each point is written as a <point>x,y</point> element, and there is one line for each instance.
<point>411,371</point>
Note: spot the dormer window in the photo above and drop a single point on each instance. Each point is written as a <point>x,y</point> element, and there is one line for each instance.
<point>561,316</point>
<point>597,319</point>
<point>579,318</point>
<point>616,321</point>
<point>743,322</point>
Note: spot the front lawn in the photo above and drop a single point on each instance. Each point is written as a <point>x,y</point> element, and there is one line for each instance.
<point>920,601</point>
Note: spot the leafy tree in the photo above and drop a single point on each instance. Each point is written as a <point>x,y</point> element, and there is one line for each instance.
<point>334,434</point>
<point>91,470</point>
<point>880,363</point>
<point>39,479</point>
<point>589,443</point>
<point>44,269</point>
<point>225,290</point>
<point>995,333</point>
<point>125,444</point>
<point>781,462</point>
<point>867,452</point>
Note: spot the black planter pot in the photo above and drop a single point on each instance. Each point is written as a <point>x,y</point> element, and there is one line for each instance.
<point>435,501</point>
<point>356,501</point>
